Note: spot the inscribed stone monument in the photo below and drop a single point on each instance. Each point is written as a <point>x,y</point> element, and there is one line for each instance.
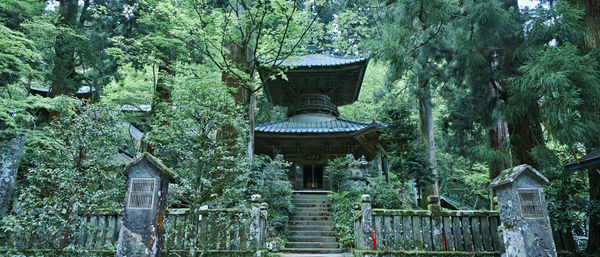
<point>11,149</point>
<point>145,206</point>
<point>525,224</point>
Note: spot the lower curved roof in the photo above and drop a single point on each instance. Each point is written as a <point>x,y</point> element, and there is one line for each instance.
<point>287,126</point>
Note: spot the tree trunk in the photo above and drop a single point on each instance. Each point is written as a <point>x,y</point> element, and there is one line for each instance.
<point>524,129</point>
<point>240,93</point>
<point>427,129</point>
<point>592,41</point>
<point>64,78</point>
<point>525,134</point>
<point>591,20</point>
<point>497,137</point>
<point>162,98</point>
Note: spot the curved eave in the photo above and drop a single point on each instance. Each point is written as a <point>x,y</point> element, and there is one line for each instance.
<point>589,161</point>
<point>334,127</point>
<point>317,60</point>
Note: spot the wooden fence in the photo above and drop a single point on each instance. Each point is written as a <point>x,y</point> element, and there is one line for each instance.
<point>426,232</point>
<point>215,231</point>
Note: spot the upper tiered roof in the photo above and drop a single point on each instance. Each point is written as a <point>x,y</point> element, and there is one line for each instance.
<point>321,60</point>
<point>338,78</point>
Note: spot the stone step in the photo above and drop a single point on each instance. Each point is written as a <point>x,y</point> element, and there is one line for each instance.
<point>311,244</point>
<point>303,201</point>
<point>304,197</point>
<point>309,228</point>
<point>309,205</point>
<point>311,198</point>
<point>297,218</point>
<point>313,250</point>
<point>312,239</point>
<point>311,222</point>
<point>310,214</point>
<point>288,254</point>
<point>315,195</point>
<point>313,233</point>
<point>312,209</point>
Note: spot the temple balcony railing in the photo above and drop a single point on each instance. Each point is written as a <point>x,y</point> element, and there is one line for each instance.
<point>312,103</point>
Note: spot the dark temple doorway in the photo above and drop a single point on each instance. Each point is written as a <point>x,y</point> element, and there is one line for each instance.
<point>313,176</point>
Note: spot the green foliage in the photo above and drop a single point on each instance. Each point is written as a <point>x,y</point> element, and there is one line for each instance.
<point>266,112</point>
<point>23,113</point>
<point>342,204</point>
<point>346,195</point>
<point>74,172</point>
<point>404,151</point>
<point>480,66</point>
<point>193,142</point>
<point>134,88</point>
<point>566,84</point>
<point>17,55</point>
<point>365,108</point>
<point>348,29</point>
<point>269,179</point>
<point>564,192</point>
<point>338,172</point>
<point>383,195</point>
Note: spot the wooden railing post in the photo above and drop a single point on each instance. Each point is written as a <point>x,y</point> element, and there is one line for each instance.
<point>366,220</point>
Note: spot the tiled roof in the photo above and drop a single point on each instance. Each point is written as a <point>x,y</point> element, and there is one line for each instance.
<point>333,126</point>
<point>594,154</point>
<point>136,108</point>
<point>321,60</point>
<point>590,160</point>
<point>456,203</point>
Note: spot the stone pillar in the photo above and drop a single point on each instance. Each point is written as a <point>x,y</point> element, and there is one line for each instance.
<point>358,235</point>
<point>11,149</point>
<point>366,221</point>
<point>433,205</point>
<point>255,223</point>
<point>145,208</point>
<point>525,224</point>
<point>262,229</point>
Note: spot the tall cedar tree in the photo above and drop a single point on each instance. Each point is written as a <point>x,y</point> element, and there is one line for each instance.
<point>84,32</point>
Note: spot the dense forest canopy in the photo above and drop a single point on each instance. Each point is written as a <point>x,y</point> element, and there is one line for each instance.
<point>464,88</point>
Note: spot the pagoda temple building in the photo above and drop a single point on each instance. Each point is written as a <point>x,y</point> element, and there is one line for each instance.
<point>312,133</point>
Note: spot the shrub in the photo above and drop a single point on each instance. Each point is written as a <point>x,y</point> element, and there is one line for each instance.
<point>74,172</point>
<point>268,178</point>
<point>338,172</point>
<point>383,195</point>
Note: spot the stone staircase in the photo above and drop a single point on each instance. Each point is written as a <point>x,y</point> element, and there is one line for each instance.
<point>310,225</point>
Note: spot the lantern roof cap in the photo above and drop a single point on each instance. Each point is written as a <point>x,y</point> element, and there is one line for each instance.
<point>155,163</point>
<point>510,175</point>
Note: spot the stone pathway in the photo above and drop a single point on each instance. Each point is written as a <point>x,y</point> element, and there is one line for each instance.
<point>317,255</point>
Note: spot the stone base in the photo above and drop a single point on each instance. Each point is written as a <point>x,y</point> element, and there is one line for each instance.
<point>131,244</point>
